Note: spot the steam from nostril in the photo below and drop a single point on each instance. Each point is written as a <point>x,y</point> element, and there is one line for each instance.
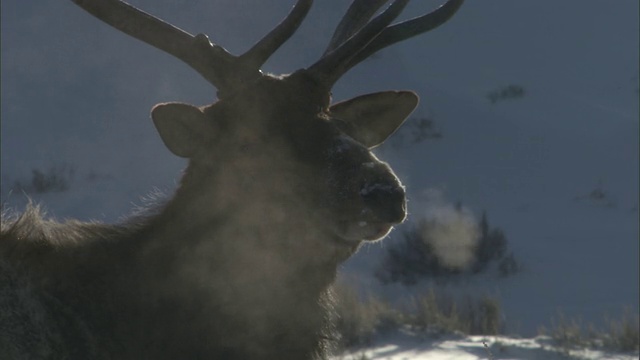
<point>385,200</point>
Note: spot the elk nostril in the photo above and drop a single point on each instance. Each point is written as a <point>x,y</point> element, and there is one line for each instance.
<point>386,201</point>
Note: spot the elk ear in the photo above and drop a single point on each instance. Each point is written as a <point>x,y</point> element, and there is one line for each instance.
<point>183,128</point>
<point>374,117</point>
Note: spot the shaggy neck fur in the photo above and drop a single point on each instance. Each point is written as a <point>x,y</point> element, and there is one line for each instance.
<point>213,275</point>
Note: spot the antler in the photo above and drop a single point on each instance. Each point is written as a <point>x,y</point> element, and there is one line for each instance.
<point>222,69</point>
<point>356,17</point>
<point>354,40</point>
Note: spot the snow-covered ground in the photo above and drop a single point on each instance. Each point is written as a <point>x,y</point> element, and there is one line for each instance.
<point>76,93</point>
<point>402,345</point>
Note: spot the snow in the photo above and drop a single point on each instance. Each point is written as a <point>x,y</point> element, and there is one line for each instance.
<point>75,92</point>
<point>404,344</point>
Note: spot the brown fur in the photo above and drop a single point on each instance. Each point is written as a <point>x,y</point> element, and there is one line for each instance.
<point>237,265</point>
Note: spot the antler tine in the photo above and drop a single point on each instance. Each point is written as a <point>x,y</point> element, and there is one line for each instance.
<point>357,48</point>
<point>263,49</point>
<point>210,60</point>
<point>356,17</point>
<point>327,69</point>
<point>222,69</point>
<point>406,30</point>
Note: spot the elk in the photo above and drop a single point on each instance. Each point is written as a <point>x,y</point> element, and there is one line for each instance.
<point>280,188</point>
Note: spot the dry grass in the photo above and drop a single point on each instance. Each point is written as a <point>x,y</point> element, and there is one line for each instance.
<point>623,334</point>
<point>616,335</point>
<point>443,313</point>
<point>360,317</point>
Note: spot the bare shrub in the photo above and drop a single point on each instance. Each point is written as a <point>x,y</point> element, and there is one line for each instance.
<point>445,248</point>
<point>415,131</point>
<point>508,92</point>
<point>57,178</point>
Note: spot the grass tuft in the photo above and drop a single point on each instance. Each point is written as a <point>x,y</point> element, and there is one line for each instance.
<point>360,317</point>
<point>617,334</point>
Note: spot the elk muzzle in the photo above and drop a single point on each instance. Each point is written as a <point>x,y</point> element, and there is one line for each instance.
<point>385,200</point>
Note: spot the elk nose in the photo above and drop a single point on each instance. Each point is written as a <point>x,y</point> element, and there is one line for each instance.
<point>387,201</point>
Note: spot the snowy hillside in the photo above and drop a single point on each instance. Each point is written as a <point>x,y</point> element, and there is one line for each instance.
<point>537,103</point>
<point>406,345</point>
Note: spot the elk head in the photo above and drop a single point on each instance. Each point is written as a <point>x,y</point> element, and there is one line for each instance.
<point>286,126</point>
